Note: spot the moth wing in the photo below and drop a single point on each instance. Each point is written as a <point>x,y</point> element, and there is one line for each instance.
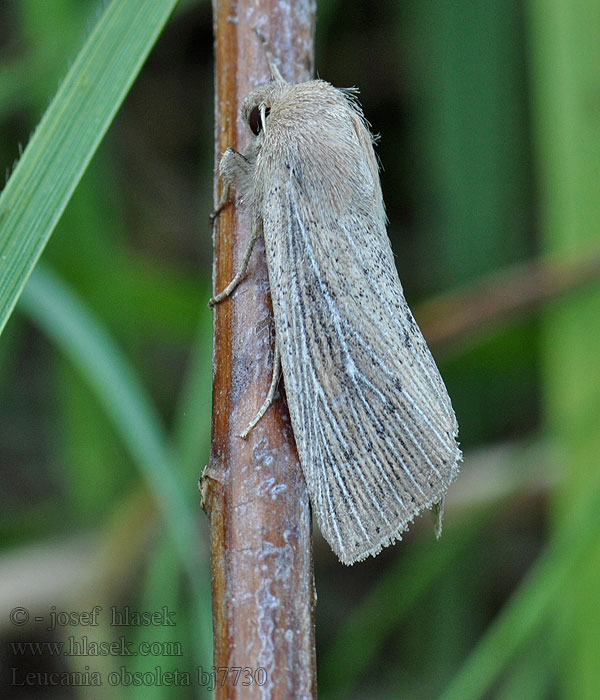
<point>373,422</point>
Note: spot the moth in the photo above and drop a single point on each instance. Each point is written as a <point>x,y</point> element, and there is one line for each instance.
<point>371,416</point>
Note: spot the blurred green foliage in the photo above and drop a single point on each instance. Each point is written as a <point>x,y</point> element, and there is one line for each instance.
<point>490,145</point>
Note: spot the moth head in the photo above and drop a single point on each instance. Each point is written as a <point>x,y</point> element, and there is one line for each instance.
<point>263,108</point>
<point>256,117</point>
<point>258,106</point>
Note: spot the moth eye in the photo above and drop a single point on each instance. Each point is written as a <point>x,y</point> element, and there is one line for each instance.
<point>255,121</point>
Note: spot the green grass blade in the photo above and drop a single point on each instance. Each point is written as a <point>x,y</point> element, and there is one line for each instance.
<point>364,633</point>
<point>538,597</point>
<point>564,60</point>
<point>76,332</point>
<point>68,135</point>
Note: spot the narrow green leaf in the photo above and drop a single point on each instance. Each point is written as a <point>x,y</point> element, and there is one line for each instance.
<point>364,633</point>
<point>68,135</point>
<point>74,330</point>
<point>564,60</point>
<point>538,597</point>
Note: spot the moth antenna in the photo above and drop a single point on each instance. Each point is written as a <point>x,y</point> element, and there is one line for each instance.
<point>275,73</point>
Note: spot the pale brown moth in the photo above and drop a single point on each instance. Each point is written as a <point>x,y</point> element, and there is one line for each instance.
<point>372,420</point>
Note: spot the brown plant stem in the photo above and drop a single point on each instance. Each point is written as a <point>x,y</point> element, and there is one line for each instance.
<point>254,491</point>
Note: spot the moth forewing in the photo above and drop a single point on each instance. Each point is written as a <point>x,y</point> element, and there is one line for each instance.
<point>373,422</point>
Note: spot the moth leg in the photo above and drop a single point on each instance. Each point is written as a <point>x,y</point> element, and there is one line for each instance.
<point>269,400</point>
<point>235,169</point>
<point>224,197</point>
<point>241,272</point>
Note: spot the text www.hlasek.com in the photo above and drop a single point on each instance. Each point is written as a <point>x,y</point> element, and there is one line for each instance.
<point>83,646</point>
